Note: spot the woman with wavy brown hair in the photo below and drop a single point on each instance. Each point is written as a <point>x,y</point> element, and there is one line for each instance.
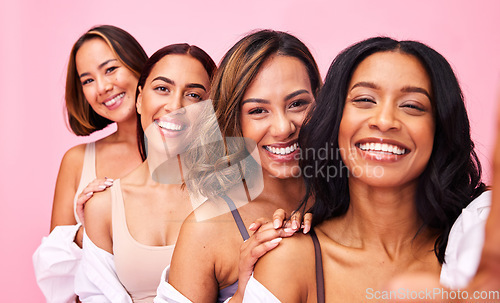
<point>263,89</point>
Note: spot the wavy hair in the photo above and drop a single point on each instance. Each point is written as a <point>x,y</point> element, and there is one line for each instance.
<point>452,178</point>
<point>213,168</point>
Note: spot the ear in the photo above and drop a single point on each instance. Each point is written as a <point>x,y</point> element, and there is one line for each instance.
<point>138,104</point>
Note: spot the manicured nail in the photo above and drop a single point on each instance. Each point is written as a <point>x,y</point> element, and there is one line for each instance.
<point>108,183</point>
<point>109,179</point>
<point>295,225</point>
<point>251,227</point>
<point>276,223</point>
<point>89,194</point>
<point>102,186</point>
<point>306,229</point>
<point>289,230</point>
<point>275,241</point>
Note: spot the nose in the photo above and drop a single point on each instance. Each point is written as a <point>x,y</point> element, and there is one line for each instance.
<point>282,126</point>
<point>104,85</point>
<point>385,118</point>
<point>174,103</point>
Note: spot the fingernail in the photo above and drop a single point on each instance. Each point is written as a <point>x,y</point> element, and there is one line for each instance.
<point>306,229</point>
<point>289,230</point>
<point>295,225</point>
<point>108,183</point>
<point>276,223</point>
<point>109,179</point>
<point>251,226</point>
<point>90,193</point>
<point>277,240</point>
<point>102,186</point>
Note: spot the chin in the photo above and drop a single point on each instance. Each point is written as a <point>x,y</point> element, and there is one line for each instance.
<point>285,173</point>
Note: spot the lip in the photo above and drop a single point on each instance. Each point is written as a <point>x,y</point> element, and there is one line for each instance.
<point>118,101</point>
<point>171,127</point>
<point>291,156</point>
<point>380,155</point>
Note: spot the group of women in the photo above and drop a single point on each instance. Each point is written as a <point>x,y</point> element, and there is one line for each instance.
<point>403,163</point>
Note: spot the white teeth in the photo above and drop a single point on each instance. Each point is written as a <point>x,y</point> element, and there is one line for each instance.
<point>383,147</point>
<point>282,150</point>
<point>169,125</point>
<point>113,101</point>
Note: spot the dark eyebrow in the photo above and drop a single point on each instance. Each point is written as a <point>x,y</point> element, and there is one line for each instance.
<point>99,67</point>
<point>196,85</point>
<point>288,97</point>
<point>296,93</point>
<point>164,79</point>
<point>365,84</point>
<point>256,100</point>
<point>414,89</point>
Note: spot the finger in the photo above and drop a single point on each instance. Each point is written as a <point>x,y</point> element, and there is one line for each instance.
<point>98,185</point>
<point>258,251</point>
<point>278,217</point>
<point>307,223</point>
<point>267,233</point>
<point>257,224</point>
<point>296,220</point>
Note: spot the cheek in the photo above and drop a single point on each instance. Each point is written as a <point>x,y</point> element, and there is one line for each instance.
<point>89,93</point>
<point>255,130</point>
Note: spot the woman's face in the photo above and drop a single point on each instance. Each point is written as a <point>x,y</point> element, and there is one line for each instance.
<point>107,84</point>
<point>387,130</point>
<point>175,81</point>
<point>272,111</point>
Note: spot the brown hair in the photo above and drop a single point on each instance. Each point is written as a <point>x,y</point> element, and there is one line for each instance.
<point>241,64</point>
<point>216,166</point>
<point>82,119</point>
<point>180,49</point>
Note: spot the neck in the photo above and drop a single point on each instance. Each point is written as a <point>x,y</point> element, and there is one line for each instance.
<point>285,193</point>
<point>127,130</point>
<point>377,217</point>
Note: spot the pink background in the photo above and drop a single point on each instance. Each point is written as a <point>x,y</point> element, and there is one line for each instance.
<point>36,38</point>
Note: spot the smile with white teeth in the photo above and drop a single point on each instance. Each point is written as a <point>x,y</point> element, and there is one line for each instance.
<point>169,126</point>
<point>113,101</point>
<point>282,150</point>
<point>382,147</point>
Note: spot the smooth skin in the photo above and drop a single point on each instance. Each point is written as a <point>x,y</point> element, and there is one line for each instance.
<point>154,212</point>
<point>207,256</point>
<point>487,278</point>
<point>103,77</point>
<point>387,102</point>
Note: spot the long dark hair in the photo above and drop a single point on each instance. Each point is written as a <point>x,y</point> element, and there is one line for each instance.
<point>452,178</point>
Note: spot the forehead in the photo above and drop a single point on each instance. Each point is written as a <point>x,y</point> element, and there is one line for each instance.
<point>279,74</point>
<point>179,68</point>
<point>390,69</point>
<point>93,50</point>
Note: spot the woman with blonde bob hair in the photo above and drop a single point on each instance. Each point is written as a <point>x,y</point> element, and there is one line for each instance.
<point>103,70</point>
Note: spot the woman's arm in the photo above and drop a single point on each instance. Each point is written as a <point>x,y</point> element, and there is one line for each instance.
<point>66,186</point>
<point>192,270</point>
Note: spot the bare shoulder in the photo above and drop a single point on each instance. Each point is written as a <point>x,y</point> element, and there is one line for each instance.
<point>98,220</point>
<point>290,264</point>
<point>67,183</point>
<point>201,239</point>
<point>204,226</point>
